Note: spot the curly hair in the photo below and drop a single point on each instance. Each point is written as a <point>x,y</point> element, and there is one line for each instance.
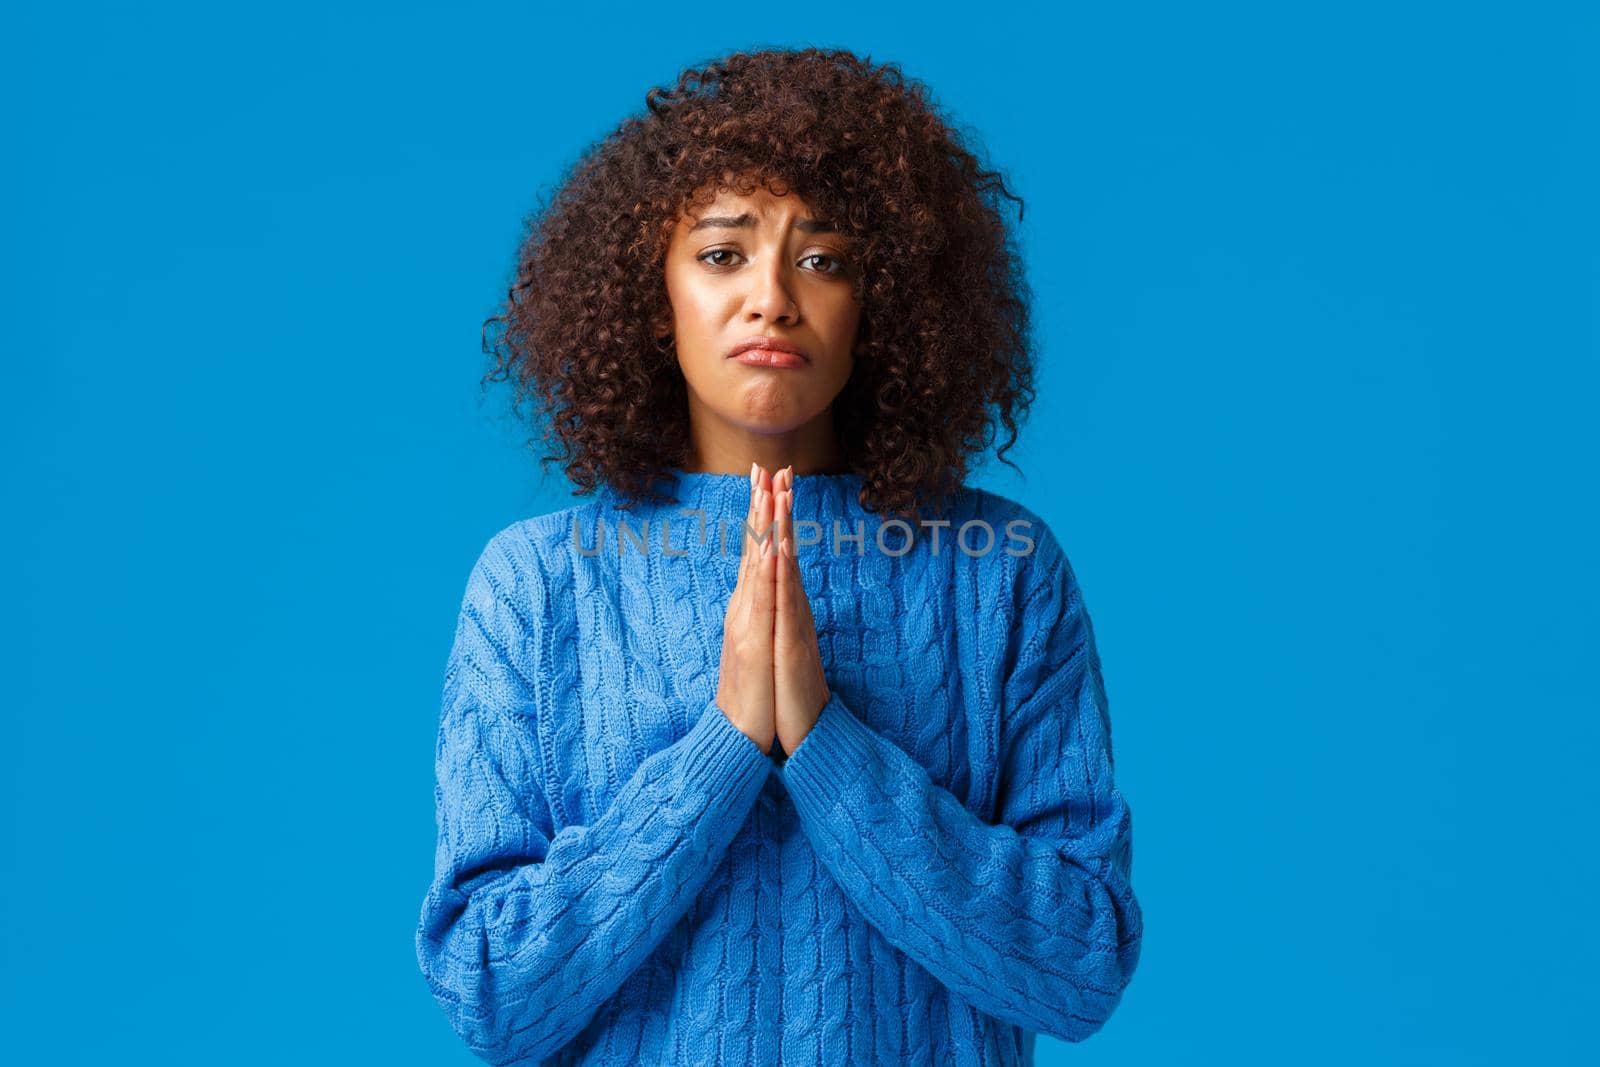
<point>942,350</point>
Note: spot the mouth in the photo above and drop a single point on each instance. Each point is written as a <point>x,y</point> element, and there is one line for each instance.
<point>769,352</point>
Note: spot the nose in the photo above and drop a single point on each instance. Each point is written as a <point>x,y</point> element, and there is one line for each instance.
<point>769,297</point>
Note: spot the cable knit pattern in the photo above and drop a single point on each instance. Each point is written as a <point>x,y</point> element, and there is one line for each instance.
<point>941,869</point>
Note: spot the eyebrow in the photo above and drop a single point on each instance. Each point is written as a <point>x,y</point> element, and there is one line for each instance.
<point>734,222</point>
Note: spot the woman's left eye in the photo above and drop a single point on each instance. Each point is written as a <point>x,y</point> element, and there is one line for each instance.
<point>838,265</point>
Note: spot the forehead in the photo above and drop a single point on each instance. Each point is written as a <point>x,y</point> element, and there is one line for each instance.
<point>770,199</point>
<point>730,210</point>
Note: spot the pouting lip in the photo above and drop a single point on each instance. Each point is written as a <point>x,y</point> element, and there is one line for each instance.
<point>773,343</point>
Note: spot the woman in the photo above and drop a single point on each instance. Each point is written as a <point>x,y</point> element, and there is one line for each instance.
<point>836,788</point>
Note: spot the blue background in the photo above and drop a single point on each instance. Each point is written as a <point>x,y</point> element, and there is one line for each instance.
<point>1317,311</point>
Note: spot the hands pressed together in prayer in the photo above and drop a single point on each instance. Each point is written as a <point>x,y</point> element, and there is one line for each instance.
<point>771,681</point>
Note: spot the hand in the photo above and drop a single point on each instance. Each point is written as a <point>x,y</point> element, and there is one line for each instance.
<point>744,684</point>
<point>799,687</point>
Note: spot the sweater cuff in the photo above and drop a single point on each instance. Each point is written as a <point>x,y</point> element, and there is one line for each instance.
<point>834,754</point>
<point>719,755</point>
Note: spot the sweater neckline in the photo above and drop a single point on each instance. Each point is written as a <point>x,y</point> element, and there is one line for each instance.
<point>814,494</point>
<point>697,479</point>
<point>728,495</point>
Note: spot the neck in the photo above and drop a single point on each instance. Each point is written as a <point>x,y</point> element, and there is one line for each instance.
<point>721,449</point>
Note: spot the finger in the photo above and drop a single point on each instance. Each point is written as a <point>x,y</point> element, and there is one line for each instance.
<point>795,593</point>
<point>794,599</point>
<point>749,520</point>
<point>758,529</point>
<point>783,603</point>
<point>765,480</point>
<point>749,546</point>
<point>747,594</point>
<point>764,518</point>
<point>788,508</point>
<point>784,624</point>
<point>775,535</point>
<point>788,533</point>
<point>763,608</point>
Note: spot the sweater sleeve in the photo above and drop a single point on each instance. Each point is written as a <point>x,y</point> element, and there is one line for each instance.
<point>526,930</point>
<point>1032,920</point>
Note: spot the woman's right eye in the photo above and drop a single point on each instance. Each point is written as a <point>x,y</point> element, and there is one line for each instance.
<point>705,257</point>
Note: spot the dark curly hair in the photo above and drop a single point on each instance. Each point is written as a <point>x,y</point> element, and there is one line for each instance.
<point>942,349</point>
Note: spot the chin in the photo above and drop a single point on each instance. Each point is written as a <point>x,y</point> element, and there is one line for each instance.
<point>773,407</point>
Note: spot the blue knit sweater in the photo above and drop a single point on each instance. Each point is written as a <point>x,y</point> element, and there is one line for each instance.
<point>941,869</point>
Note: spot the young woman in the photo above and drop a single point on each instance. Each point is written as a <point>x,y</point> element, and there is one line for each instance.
<point>786,746</point>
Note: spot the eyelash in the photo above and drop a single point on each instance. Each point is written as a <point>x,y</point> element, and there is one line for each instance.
<point>728,251</point>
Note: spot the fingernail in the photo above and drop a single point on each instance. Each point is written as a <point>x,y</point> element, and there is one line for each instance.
<point>752,474</point>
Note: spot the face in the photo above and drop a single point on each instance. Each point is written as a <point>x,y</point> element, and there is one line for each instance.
<point>748,267</point>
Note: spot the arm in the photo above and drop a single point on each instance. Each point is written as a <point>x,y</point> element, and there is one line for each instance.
<point>525,932</point>
<point>1032,920</point>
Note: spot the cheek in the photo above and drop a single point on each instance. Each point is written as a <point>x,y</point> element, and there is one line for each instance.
<point>679,278</point>
<point>843,312</point>
<point>698,309</point>
<point>844,327</point>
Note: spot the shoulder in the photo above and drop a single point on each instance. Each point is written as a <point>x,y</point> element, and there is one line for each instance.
<point>1025,542</point>
<point>529,560</point>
